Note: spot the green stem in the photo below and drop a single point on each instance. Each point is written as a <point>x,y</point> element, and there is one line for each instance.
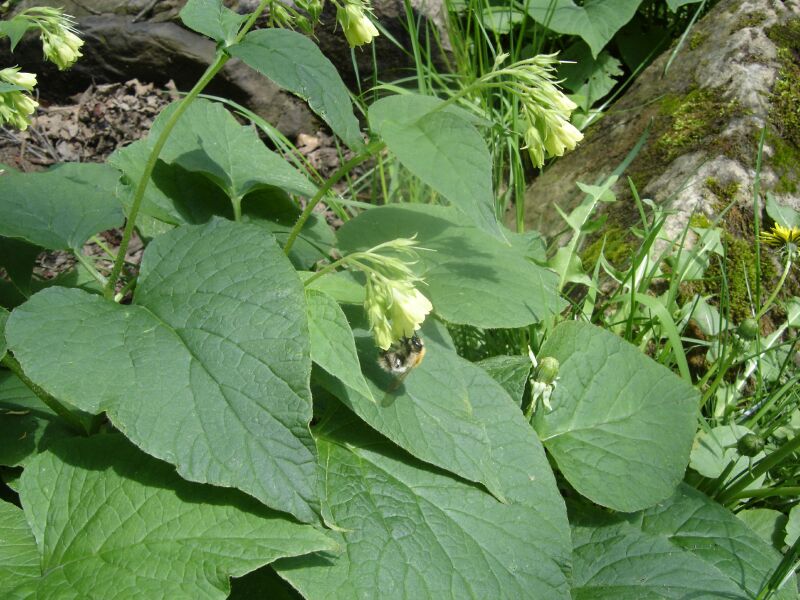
<point>759,469</point>
<point>370,150</point>
<point>68,416</point>
<point>768,492</point>
<point>237,208</point>
<point>328,269</point>
<point>87,264</point>
<point>777,289</point>
<point>104,247</point>
<point>219,61</point>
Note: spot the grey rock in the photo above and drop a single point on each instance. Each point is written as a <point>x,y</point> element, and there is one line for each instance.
<point>726,71</point>
<point>142,39</point>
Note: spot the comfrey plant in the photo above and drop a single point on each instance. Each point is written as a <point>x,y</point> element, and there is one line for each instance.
<point>61,46</point>
<point>250,403</point>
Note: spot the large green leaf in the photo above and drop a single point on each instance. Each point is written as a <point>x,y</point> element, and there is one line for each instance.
<point>674,5</point>
<point>111,522</point>
<point>617,562</point>
<point>470,276</point>
<point>19,559</point>
<point>444,150</point>
<point>622,425</point>
<point>208,370</point>
<point>207,139</point>
<point>511,372</point>
<point>61,208</point>
<point>589,79</point>
<point>435,412</point>
<point>295,63</point>
<point>174,195</point>
<point>685,547</point>
<point>770,524</point>
<point>332,344</point>
<point>596,21</point>
<point>18,259</point>
<point>211,18</point>
<point>793,525</point>
<point>3,319</point>
<point>263,583</point>
<point>414,532</point>
<point>27,426</point>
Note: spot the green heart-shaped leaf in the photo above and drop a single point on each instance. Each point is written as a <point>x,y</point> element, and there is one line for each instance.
<point>111,522</point>
<point>61,208</point>
<point>621,425</point>
<point>470,277</point>
<point>208,369</point>
<point>295,63</point>
<point>413,532</point>
<point>444,150</point>
<point>685,547</point>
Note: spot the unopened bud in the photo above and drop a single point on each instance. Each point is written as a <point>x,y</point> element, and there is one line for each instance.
<point>548,370</point>
<point>750,445</point>
<point>748,329</point>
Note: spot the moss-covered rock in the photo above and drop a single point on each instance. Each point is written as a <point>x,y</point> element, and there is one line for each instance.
<point>703,122</point>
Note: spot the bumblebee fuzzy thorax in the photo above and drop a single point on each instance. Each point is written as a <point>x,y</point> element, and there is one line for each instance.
<point>403,355</point>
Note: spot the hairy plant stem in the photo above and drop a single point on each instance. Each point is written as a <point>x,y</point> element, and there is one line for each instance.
<point>219,61</point>
<point>371,149</point>
<point>67,415</point>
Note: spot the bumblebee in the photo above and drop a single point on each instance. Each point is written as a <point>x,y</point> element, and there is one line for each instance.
<point>402,356</point>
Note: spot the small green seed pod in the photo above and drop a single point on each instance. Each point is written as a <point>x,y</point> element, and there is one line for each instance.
<point>548,370</point>
<point>748,329</point>
<point>749,445</point>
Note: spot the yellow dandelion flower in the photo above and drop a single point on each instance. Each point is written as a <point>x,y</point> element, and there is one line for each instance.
<point>780,236</point>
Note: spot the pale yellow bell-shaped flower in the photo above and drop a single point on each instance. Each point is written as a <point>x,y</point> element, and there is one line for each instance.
<point>408,310</point>
<point>14,76</point>
<point>357,27</point>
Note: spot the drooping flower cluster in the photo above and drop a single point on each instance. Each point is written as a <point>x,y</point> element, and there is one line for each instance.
<point>394,306</point>
<point>545,109</point>
<point>16,104</point>
<point>353,16</point>
<point>60,42</point>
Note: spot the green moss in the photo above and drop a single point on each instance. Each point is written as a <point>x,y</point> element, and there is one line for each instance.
<point>753,19</point>
<point>724,193</point>
<point>692,118</point>
<point>739,272</point>
<point>785,101</point>
<point>684,123</point>
<point>700,220</point>
<point>784,161</point>
<point>618,249</point>
<point>697,39</point>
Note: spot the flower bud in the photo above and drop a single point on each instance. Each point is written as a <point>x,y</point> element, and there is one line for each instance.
<point>358,29</point>
<point>749,445</point>
<point>548,370</point>
<point>16,107</point>
<point>534,146</point>
<point>14,76</point>
<point>61,46</point>
<point>748,329</point>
